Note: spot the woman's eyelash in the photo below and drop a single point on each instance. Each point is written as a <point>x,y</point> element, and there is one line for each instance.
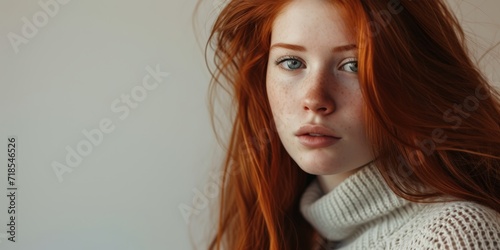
<point>349,61</point>
<point>285,58</point>
<point>285,62</point>
<point>290,63</point>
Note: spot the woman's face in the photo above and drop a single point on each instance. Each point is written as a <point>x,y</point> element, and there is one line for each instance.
<point>313,89</point>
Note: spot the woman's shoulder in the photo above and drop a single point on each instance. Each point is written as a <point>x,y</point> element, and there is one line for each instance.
<point>454,225</point>
<point>461,215</point>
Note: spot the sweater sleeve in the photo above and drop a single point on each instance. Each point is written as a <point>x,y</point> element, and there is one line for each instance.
<point>455,225</point>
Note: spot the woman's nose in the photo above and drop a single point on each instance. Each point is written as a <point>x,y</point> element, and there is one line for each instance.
<point>317,97</point>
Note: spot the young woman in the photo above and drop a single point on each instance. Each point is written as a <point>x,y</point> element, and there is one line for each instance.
<point>359,124</point>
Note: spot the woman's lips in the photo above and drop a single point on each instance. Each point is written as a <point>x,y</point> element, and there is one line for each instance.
<point>316,136</point>
<point>313,141</point>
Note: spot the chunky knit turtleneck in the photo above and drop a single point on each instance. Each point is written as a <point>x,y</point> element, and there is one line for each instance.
<point>364,213</point>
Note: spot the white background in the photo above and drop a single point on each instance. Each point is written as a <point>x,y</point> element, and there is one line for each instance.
<point>126,193</point>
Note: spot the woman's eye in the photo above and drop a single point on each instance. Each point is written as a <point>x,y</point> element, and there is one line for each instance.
<point>351,66</point>
<point>290,63</point>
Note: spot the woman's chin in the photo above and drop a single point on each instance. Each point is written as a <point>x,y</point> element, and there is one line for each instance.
<point>320,169</point>
<point>328,168</point>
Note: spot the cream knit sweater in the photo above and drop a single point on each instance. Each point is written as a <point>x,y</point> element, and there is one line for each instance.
<point>364,213</point>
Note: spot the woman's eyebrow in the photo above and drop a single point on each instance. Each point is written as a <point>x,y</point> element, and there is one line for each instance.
<point>302,48</point>
<point>344,48</point>
<point>289,46</point>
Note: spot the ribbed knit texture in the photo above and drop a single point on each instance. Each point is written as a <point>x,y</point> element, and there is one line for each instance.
<point>364,213</point>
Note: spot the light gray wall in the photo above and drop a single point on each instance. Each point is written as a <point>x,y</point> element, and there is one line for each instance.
<point>71,73</point>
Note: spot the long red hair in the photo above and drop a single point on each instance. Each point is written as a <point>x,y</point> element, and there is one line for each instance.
<point>431,115</point>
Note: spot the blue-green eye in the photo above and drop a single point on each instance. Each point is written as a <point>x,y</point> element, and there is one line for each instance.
<point>350,66</point>
<point>290,63</point>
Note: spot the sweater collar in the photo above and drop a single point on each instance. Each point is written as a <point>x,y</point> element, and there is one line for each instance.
<point>354,203</point>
